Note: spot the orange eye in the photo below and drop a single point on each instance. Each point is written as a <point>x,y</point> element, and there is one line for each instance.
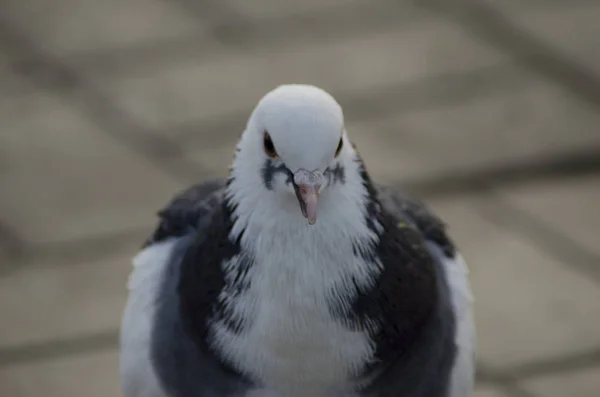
<point>339,148</point>
<point>268,146</point>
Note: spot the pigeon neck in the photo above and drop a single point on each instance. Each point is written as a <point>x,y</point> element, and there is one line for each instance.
<point>264,215</point>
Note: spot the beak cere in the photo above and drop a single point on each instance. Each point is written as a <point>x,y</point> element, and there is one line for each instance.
<point>307,185</point>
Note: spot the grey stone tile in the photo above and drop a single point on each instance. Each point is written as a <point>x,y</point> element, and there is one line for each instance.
<point>5,261</point>
<point>570,206</point>
<point>580,383</point>
<point>66,26</point>
<point>89,375</point>
<point>11,83</point>
<point>491,132</point>
<point>41,302</point>
<point>528,307</point>
<point>488,391</point>
<point>215,158</point>
<point>574,31</point>
<point>517,6</point>
<point>235,80</point>
<point>63,179</point>
<point>230,29</point>
<point>387,156</point>
<point>275,8</point>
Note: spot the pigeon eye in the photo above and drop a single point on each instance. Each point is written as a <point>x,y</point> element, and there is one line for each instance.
<point>268,146</point>
<point>339,147</point>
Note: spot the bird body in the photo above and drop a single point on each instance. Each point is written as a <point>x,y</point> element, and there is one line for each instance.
<point>236,294</point>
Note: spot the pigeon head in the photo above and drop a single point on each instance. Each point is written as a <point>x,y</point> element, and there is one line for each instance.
<point>294,146</point>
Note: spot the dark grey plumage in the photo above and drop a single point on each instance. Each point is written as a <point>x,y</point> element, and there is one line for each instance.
<point>422,349</point>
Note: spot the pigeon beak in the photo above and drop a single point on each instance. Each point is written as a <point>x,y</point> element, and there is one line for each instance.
<point>307,185</point>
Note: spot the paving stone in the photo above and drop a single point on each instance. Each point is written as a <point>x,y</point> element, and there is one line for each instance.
<point>574,31</point>
<point>215,158</point>
<point>93,375</point>
<point>11,83</point>
<point>66,26</point>
<point>10,248</point>
<point>570,206</point>
<point>580,383</point>
<point>491,132</point>
<point>41,301</point>
<point>6,264</point>
<point>235,80</point>
<point>517,6</point>
<point>275,8</point>
<point>231,29</point>
<point>528,307</point>
<point>64,179</point>
<point>488,391</point>
<point>387,156</point>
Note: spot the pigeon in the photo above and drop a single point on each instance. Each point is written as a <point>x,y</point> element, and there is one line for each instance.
<point>297,276</point>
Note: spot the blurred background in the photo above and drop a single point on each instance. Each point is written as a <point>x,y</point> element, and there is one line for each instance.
<point>488,110</point>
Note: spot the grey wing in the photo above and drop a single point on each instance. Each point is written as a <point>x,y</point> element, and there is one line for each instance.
<point>442,249</point>
<point>188,210</point>
<point>417,215</point>
<point>179,220</point>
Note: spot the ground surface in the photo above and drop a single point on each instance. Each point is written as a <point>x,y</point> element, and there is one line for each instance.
<point>486,109</point>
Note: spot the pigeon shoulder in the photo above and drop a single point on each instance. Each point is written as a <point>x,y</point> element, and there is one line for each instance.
<point>187,214</point>
<point>182,221</point>
<point>413,213</point>
<point>188,211</point>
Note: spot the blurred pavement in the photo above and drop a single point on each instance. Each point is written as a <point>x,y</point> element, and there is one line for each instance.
<point>489,110</point>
